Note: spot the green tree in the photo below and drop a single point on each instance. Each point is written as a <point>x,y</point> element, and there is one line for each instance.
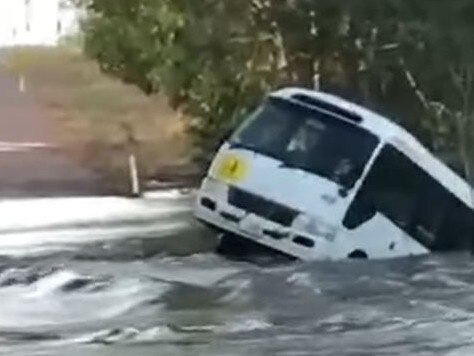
<point>214,59</point>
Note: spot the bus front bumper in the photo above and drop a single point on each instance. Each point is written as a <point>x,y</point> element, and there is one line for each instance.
<point>212,209</point>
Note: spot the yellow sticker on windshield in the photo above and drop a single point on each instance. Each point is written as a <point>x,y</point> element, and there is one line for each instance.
<point>231,169</point>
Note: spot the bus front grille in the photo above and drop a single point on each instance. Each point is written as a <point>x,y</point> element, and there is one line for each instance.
<point>262,207</point>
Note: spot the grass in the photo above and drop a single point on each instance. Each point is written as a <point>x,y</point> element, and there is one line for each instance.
<point>91,111</point>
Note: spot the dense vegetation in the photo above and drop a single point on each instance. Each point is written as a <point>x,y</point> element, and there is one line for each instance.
<point>214,59</point>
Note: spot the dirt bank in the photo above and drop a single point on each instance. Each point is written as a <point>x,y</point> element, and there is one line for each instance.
<point>98,121</point>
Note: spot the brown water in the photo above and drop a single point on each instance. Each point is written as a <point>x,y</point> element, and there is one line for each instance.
<point>139,289</point>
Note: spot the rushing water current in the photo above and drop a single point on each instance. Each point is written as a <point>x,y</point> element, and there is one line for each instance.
<point>111,276</point>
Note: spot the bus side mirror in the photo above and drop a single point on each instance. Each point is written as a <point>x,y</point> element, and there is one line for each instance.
<point>343,192</point>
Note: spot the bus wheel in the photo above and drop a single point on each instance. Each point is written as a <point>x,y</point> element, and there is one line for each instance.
<point>242,249</point>
<point>358,254</point>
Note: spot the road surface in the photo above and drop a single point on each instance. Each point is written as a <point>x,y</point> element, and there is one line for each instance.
<point>31,162</point>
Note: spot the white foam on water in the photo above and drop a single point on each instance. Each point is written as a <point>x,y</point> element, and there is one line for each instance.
<point>22,214</point>
<point>131,335</point>
<point>44,303</point>
<point>51,283</point>
<point>169,194</point>
<point>38,243</point>
<point>202,277</point>
<point>240,291</point>
<point>303,280</point>
<point>34,226</point>
<point>245,325</point>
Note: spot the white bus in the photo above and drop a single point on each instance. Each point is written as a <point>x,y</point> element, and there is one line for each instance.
<point>316,177</point>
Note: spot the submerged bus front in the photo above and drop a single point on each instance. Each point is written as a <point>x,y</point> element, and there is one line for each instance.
<point>287,177</point>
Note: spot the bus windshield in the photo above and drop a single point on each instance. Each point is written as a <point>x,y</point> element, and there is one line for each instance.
<point>307,139</point>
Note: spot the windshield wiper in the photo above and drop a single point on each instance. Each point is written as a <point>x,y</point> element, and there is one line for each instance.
<point>250,148</point>
<point>286,165</point>
<point>234,144</point>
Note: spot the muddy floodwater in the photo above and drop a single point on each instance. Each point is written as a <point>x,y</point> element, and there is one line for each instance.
<point>110,276</point>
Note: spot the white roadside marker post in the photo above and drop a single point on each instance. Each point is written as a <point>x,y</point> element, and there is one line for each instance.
<point>135,182</point>
<point>132,143</point>
<point>21,84</point>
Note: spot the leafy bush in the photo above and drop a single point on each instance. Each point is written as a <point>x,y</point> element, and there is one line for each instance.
<point>214,59</point>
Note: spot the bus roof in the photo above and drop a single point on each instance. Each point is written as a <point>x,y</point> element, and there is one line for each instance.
<point>392,133</point>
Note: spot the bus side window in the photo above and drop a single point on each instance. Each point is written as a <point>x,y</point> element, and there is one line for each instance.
<point>457,230</point>
<point>442,221</point>
<point>432,206</point>
<point>414,201</point>
<point>390,189</point>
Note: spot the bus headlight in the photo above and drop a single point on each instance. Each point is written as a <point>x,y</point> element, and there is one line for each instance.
<point>315,227</point>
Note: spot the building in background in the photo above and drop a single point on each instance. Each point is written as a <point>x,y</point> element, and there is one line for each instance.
<point>36,22</point>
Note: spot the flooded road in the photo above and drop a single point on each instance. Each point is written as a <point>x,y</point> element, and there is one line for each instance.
<point>111,276</point>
